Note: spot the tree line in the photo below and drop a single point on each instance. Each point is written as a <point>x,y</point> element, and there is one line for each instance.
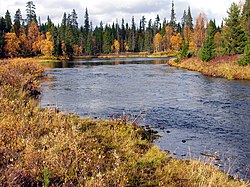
<point>30,37</point>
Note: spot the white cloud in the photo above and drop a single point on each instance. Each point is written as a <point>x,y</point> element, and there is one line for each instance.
<point>108,11</point>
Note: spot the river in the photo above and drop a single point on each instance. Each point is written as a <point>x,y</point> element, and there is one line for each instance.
<point>197,116</point>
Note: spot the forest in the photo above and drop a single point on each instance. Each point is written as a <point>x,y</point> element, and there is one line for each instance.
<point>29,37</point>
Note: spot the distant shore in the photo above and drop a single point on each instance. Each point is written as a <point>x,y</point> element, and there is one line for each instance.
<point>224,67</point>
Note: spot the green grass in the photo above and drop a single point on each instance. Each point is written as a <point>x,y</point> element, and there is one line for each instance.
<point>44,147</point>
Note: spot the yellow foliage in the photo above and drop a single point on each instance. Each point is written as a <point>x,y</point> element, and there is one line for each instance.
<point>176,42</point>
<point>77,50</point>
<point>200,30</point>
<point>34,38</point>
<point>47,45</point>
<point>126,47</point>
<point>167,38</point>
<point>116,46</point>
<point>12,44</point>
<point>158,42</point>
<point>187,34</point>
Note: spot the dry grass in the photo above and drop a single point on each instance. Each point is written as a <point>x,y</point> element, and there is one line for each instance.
<point>42,147</point>
<point>222,67</point>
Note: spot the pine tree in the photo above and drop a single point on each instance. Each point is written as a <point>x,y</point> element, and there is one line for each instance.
<point>86,23</point>
<point>8,22</point>
<point>133,30</point>
<point>143,24</point>
<point>30,12</point>
<point>184,50</point>
<point>69,39</point>
<point>157,24</point>
<point>148,47</point>
<point>172,22</point>
<point>189,19</point>
<point>183,21</point>
<point>208,49</point>
<point>163,29</point>
<point>107,41</point>
<point>246,18</point>
<point>234,36</point>
<point>246,26</point>
<point>74,19</point>
<point>17,22</point>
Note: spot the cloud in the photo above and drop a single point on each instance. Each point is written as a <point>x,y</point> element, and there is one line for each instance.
<point>108,11</point>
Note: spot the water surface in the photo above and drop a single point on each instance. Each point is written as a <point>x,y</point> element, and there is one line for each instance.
<point>196,115</point>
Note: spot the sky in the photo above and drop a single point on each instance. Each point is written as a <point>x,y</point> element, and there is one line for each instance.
<point>109,11</point>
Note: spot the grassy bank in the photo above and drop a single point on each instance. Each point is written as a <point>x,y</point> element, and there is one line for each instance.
<point>131,55</point>
<point>225,67</point>
<point>44,147</point>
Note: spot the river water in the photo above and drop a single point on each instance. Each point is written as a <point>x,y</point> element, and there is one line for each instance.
<point>197,116</point>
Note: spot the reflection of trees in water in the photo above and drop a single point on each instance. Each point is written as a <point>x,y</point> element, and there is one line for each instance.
<point>157,62</point>
<point>59,64</point>
<point>117,62</point>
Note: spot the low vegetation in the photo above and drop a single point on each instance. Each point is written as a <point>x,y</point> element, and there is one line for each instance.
<point>225,67</point>
<point>45,147</point>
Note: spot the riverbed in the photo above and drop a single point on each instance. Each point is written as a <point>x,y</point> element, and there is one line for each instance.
<point>197,116</point>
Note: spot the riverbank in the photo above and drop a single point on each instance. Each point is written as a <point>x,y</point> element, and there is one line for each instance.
<point>130,55</point>
<point>46,147</point>
<point>224,67</point>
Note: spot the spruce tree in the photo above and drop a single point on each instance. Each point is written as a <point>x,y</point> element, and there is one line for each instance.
<point>172,22</point>
<point>86,23</point>
<point>17,22</point>
<point>157,24</point>
<point>208,49</point>
<point>234,36</point>
<point>246,25</point>
<point>30,12</point>
<point>133,32</point>
<point>184,50</point>
<point>189,19</point>
<point>246,18</point>
<point>8,23</point>
<point>107,41</point>
<point>183,21</point>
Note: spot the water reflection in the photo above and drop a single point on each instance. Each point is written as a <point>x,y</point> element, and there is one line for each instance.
<point>195,114</point>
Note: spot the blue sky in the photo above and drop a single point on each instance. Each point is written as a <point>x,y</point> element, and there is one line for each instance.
<point>108,11</point>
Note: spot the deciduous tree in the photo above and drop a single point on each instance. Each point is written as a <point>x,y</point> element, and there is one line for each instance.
<point>176,41</point>
<point>199,31</point>
<point>116,46</point>
<point>12,44</point>
<point>34,37</point>
<point>47,45</point>
<point>158,42</point>
<point>167,38</point>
